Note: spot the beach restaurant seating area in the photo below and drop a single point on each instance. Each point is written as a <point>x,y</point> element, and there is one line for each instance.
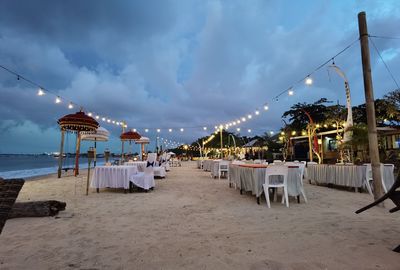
<point>257,177</point>
<point>129,174</point>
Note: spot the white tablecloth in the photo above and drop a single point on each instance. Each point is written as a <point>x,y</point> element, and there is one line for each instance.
<point>112,176</point>
<point>252,179</point>
<point>140,164</point>
<point>344,175</point>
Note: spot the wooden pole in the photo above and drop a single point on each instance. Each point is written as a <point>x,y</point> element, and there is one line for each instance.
<point>60,158</point>
<point>78,147</point>
<point>88,176</point>
<point>220,134</point>
<point>122,154</point>
<point>310,151</point>
<point>370,107</point>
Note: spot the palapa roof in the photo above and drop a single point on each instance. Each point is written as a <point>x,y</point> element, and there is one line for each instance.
<point>130,136</point>
<point>77,122</point>
<point>142,140</point>
<point>101,134</point>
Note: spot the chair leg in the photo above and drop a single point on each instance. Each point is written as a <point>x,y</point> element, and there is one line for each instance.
<point>368,185</point>
<point>266,192</point>
<point>304,195</point>
<point>286,196</point>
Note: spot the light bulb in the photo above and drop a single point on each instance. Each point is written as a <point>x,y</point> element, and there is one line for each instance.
<point>249,130</point>
<point>89,114</point>
<point>134,130</point>
<point>238,129</point>
<point>290,92</point>
<point>146,130</point>
<point>97,117</point>
<point>257,112</point>
<point>249,116</point>
<point>103,119</point>
<point>204,128</point>
<point>58,100</point>
<point>108,120</point>
<point>182,129</point>
<point>266,107</point>
<point>70,106</point>
<point>158,130</point>
<point>309,81</point>
<point>40,92</point>
<point>170,130</point>
<point>243,119</point>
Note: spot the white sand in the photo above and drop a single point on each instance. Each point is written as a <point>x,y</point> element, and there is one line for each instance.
<point>191,221</point>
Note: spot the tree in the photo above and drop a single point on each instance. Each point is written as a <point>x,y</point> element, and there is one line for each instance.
<point>299,120</point>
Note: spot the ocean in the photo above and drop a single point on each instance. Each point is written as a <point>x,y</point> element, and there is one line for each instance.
<point>26,166</point>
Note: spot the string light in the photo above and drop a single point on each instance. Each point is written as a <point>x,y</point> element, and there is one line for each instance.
<point>40,92</point>
<point>204,128</point>
<point>238,129</point>
<point>70,105</point>
<point>182,129</point>
<point>97,117</point>
<point>158,130</point>
<point>58,100</point>
<point>108,120</point>
<point>257,112</point>
<point>290,92</point>
<point>249,116</point>
<point>103,119</point>
<point>266,107</point>
<point>146,130</point>
<point>170,130</point>
<point>309,80</point>
<point>249,130</point>
<point>243,119</point>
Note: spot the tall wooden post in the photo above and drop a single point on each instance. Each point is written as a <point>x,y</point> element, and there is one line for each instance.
<point>78,148</point>
<point>370,107</point>
<point>220,134</point>
<point>310,151</point>
<point>60,158</point>
<point>122,150</point>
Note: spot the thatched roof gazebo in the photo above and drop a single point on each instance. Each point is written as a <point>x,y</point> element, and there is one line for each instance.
<point>128,136</point>
<point>78,123</point>
<point>100,135</point>
<point>142,141</point>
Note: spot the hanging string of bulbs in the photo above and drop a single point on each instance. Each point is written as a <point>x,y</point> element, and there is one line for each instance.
<point>239,121</point>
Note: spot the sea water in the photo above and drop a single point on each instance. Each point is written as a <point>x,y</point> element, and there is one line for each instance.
<point>26,166</point>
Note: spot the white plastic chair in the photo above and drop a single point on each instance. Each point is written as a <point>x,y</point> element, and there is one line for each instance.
<point>144,179</point>
<point>223,167</point>
<point>369,178</point>
<point>276,171</point>
<point>302,167</point>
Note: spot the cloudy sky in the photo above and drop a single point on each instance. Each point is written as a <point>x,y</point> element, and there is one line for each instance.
<point>179,64</point>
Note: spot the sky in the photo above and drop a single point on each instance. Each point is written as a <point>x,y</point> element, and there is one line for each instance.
<point>176,64</point>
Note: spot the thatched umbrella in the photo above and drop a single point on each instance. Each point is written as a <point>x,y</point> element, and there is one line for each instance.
<point>128,136</point>
<point>78,122</point>
<point>142,141</point>
<point>100,135</point>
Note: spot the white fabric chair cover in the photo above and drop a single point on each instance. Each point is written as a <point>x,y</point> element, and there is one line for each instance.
<point>158,171</point>
<point>144,179</point>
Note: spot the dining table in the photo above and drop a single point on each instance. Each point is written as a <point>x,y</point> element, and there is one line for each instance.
<point>344,175</point>
<point>113,176</point>
<point>251,177</point>
<point>140,164</point>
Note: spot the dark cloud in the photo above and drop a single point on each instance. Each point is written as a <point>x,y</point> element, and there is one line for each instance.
<point>172,64</point>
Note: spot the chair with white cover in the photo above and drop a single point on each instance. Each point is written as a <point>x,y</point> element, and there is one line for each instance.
<point>276,161</point>
<point>144,179</point>
<point>158,171</point>
<point>274,183</point>
<point>223,167</point>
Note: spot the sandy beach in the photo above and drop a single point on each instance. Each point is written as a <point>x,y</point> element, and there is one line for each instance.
<point>191,221</point>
